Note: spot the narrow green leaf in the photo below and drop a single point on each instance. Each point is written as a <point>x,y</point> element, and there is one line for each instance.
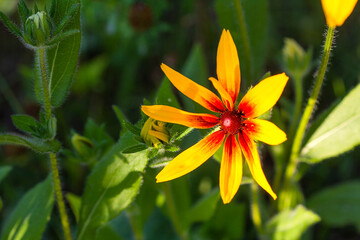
<point>24,12</point>
<point>35,144</point>
<point>62,58</point>
<point>75,204</point>
<point>25,123</point>
<point>165,95</point>
<point>66,18</point>
<point>338,205</point>
<point>31,214</point>
<point>340,131</point>
<point>4,170</point>
<point>124,123</point>
<point>111,187</point>
<point>291,224</point>
<point>10,25</point>
<point>172,148</point>
<point>204,208</point>
<point>135,148</point>
<point>63,35</point>
<point>247,21</point>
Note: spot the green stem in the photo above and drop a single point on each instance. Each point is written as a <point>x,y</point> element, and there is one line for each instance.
<point>292,165</point>
<point>245,39</point>
<point>173,211</point>
<point>255,209</point>
<point>59,196</point>
<point>44,78</point>
<point>53,161</point>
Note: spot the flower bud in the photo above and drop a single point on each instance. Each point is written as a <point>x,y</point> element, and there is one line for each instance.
<point>337,11</point>
<point>82,145</point>
<point>51,127</point>
<point>37,26</point>
<point>297,62</point>
<point>154,133</point>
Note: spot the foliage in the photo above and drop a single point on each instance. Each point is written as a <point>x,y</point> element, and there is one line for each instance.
<point>109,52</point>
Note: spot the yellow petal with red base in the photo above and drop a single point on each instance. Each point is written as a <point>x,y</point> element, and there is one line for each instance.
<point>191,89</point>
<point>265,131</point>
<point>225,96</point>
<point>230,169</point>
<point>228,66</point>
<point>251,155</point>
<point>191,158</point>
<point>173,115</point>
<point>337,11</point>
<point>263,96</point>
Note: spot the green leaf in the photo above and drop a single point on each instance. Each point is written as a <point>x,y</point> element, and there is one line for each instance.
<point>247,21</point>
<point>338,205</point>
<point>10,25</point>
<point>135,148</point>
<point>26,123</point>
<point>125,125</point>
<point>35,144</point>
<point>24,12</point>
<point>62,58</point>
<point>204,208</point>
<point>107,232</point>
<point>75,204</point>
<point>291,224</point>
<point>111,187</point>
<point>31,214</point>
<point>340,131</point>
<point>4,170</point>
<point>165,96</point>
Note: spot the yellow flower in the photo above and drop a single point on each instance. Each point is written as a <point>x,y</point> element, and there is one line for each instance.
<point>237,125</point>
<point>337,11</point>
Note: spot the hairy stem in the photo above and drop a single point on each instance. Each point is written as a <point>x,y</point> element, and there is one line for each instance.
<point>299,135</point>
<point>54,167</point>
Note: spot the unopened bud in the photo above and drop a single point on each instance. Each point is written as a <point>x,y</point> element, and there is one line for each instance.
<point>154,133</point>
<point>82,145</point>
<point>37,26</point>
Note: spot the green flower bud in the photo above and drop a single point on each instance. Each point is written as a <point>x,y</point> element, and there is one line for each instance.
<point>83,145</point>
<point>37,26</point>
<point>51,128</point>
<point>297,62</point>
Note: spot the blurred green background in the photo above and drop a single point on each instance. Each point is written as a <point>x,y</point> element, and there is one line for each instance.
<point>123,44</point>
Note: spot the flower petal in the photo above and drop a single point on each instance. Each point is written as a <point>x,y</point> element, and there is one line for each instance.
<point>265,131</point>
<point>228,66</point>
<point>263,96</point>
<point>225,96</point>
<point>251,154</point>
<point>337,11</point>
<point>174,115</point>
<point>191,89</point>
<point>230,169</point>
<point>192,157</point>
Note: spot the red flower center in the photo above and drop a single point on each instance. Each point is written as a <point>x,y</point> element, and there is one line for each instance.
<point>231,122</point>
